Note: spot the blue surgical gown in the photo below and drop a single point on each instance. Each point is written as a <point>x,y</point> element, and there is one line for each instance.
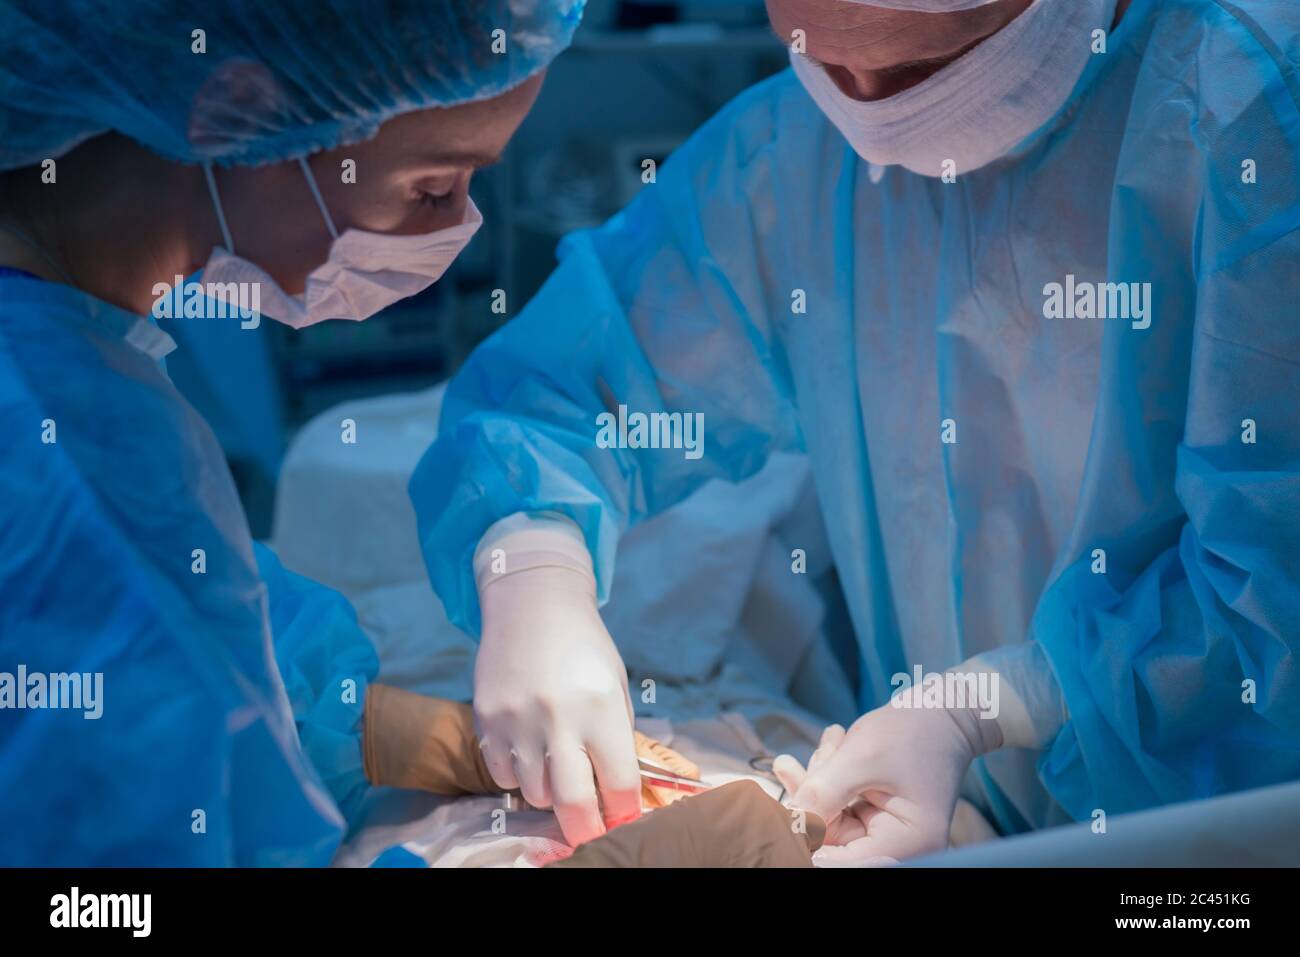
<point>769,281</point>
<point>124,551</point>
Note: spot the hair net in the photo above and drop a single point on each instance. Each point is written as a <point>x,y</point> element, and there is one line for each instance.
<point>277,79</point>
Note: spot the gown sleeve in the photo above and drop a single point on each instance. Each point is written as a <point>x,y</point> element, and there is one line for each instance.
<point>664,309</point>
<point>1181,670</point>
<point>327,664</point>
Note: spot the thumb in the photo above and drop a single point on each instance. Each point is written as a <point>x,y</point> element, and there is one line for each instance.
<point>789,772</point>
<point>831,786</point>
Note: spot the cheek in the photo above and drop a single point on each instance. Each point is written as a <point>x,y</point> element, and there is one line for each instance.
<point>376,206</point>
<point>294,264</point>
<point>288,241</point>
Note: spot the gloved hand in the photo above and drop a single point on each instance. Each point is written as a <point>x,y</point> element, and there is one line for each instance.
<point>888,786</point>
<point>424,743</point>
<point>550,690</point>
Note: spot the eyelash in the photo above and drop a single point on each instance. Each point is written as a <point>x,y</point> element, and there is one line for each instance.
<point>434,200</point>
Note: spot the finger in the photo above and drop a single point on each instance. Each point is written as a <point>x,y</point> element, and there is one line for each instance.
<point>792,774</point>
<point>830,742</point>
<point>844,829</point>
<point>832,736</point>
<point>789,772</point>
<point>613,755</point>
<point>838,772</point>
<point>854,823</point>
<point>832,784</point>
<point>893,832</point>
<point>499,764</point>
<point>530,770</point>
<point>573,789</point>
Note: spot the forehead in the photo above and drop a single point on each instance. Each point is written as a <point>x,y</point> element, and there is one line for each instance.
<point>842,32</point>
<point>829,19</point>
<point>471,134</point>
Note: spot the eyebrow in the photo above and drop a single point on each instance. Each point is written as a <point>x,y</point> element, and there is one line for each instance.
<point>920,64</point>
<point>939,61</point>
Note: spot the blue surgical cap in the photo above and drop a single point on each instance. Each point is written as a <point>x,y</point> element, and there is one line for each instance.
<point>276,79</point>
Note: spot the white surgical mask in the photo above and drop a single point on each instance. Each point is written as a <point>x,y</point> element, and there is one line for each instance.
<point>977,108</point>
<point>364,273</point>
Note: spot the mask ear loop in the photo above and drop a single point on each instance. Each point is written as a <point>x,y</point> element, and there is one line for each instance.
<point>221,215</point>
<point>216,202</point>
<point>315,191</point>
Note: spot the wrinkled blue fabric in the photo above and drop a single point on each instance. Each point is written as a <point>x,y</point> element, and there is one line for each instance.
<point>245,411</point>
<point>278,79</point>
<point>98,532</point>
<point>925,303</point>
<point>326,664</point>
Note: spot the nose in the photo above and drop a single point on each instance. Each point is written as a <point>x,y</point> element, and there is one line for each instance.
<point>454,212</point>
<point>868,85</point>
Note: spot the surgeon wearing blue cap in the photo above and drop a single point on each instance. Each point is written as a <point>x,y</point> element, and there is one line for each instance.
<point>314,156</point>
<point>1021,278</point>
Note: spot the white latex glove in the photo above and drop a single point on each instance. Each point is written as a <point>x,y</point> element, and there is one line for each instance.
<point>550,690</point>
<point>888,786</point>
<point>844,829</point>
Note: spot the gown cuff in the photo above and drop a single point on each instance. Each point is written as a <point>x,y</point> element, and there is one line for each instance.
<point>528,540</point>
<point>1030,707</point>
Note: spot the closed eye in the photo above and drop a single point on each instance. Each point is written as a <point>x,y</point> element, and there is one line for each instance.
<point>434,200</point>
